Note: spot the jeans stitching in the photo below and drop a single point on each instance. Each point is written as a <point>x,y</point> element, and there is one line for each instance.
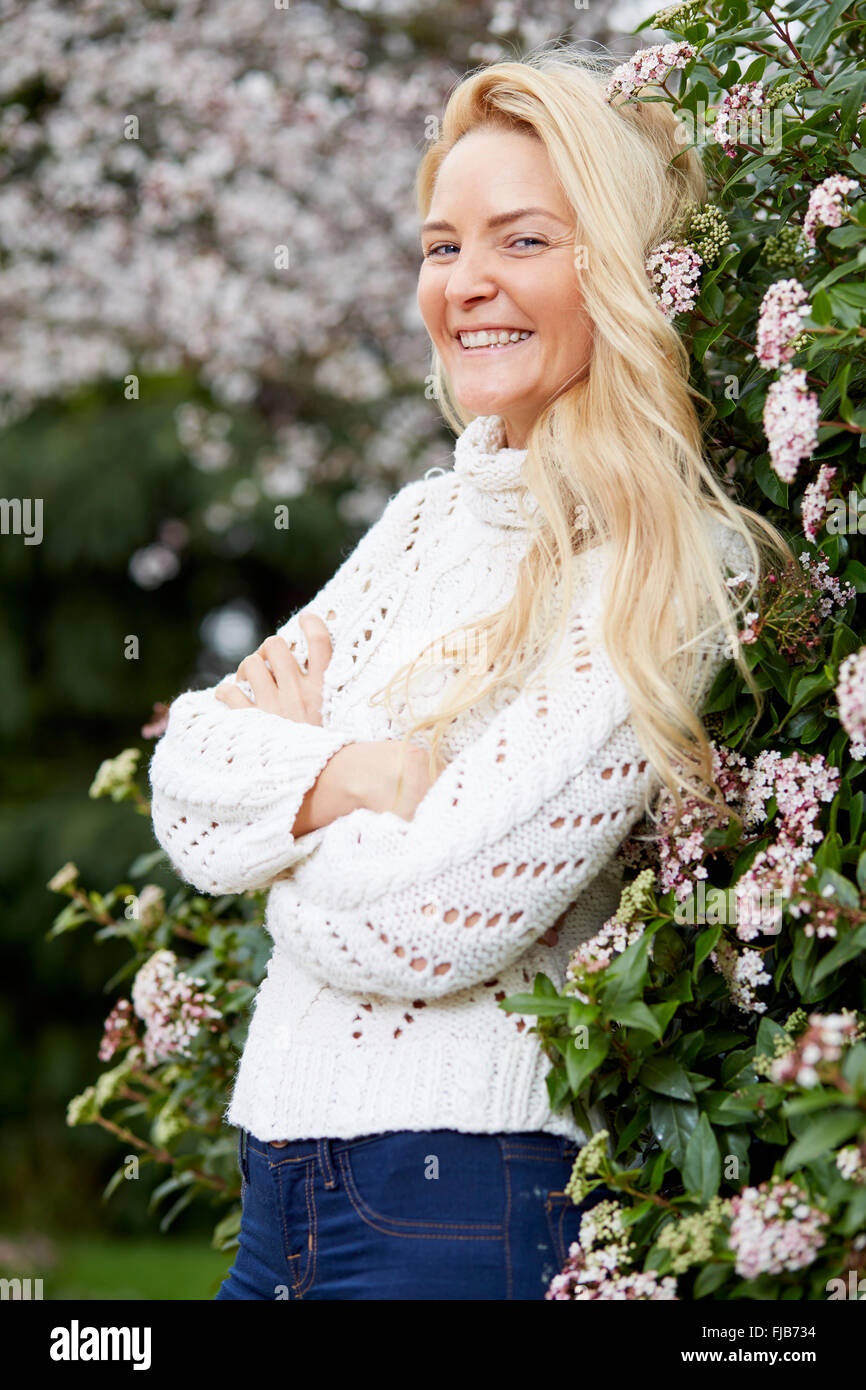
<point>339,1146</point>
<point>509,1282</point>
<point>435,1230</point>
<point>306,1279</point>
<point>555,1223</point>
<point>325,1164</point>
<point>291,1260</point>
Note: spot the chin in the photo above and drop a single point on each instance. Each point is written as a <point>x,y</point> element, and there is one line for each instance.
<point>485,402</point>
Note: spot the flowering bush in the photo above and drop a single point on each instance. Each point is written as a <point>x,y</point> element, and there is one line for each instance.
<point>174,1036</point>
<point>715,1026</point>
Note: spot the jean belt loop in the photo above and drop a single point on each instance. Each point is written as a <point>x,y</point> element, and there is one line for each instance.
<point>244,1159</point>
<point>327,1165</point>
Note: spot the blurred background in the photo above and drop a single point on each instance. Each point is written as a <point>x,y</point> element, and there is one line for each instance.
<point>208,257</point>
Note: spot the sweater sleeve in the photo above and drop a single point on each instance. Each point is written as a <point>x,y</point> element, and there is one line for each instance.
<point>503,843</point>
<point>227,784</point>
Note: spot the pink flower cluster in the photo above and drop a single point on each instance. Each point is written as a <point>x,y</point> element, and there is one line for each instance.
<point>825,204</point>
<point>851,1162</point>
<point>774,1229</point>
<point>674,272</point>
<point>778,874</point>
<point>119,1030</point>
<point>598,1266</point>
<point>821,1044</point>
<point>735,114</point>
<point>172,1008</point>
<point>597,953</point>
<point>648,65</point>
<point>743,972</point>
<point>831,592</point>
<point>791,416</point>
<point>815,500</point>
<point>682,851</point>
<point>779,321</point>
<point>851,695</point>
<point>798,783</point>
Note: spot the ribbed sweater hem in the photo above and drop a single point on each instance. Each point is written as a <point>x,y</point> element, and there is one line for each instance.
<point>312,1093</point>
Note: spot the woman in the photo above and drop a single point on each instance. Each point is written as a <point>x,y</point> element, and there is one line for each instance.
<point>434,842</point>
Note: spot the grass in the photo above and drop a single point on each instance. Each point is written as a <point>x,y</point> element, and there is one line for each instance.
<point>100,1267</point>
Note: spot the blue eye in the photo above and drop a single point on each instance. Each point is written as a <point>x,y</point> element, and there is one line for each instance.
<point>450,245</point>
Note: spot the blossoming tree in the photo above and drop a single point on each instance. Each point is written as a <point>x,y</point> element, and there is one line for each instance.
<point>717,1019</point>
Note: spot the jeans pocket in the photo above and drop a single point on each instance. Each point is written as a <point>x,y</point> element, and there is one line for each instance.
<point>564,1218</point>
<point>438,1184</point>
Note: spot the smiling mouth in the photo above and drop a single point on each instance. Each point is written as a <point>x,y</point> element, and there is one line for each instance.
<point>496,341</point>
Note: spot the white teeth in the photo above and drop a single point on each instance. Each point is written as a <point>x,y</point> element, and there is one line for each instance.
<point>494,337</point>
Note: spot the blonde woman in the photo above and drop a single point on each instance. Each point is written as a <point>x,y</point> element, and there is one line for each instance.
<point>435,764</point>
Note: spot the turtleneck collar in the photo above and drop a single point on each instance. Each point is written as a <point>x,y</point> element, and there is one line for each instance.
<point>490,474</point>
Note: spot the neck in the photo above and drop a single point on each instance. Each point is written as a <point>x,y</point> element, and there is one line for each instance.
<point>515,434</point>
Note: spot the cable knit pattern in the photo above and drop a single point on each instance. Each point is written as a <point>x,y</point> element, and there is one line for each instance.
<point>394,940</point>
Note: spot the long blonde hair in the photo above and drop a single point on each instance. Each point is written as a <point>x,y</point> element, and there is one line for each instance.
<point>624,441</point>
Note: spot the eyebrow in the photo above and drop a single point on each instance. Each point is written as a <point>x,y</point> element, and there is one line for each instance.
<point>499,220</point>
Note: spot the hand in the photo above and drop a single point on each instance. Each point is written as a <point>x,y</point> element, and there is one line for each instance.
<point>279,684</point>
<point>377,776</point>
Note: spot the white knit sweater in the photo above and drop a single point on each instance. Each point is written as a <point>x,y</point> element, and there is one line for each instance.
<point>394,939</point>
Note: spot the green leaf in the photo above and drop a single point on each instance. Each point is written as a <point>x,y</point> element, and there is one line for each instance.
<point>534,1004</point>
<point>807,688</point>
<point>226,1229</point>
<point>768,1032</point>
<point>724,1109</point>
<point>580,1062</point>
<point>844,891</point>
<point>705,943</point>
<point>147,862</point>
<point>658,1170</point>
<point>822,310</point>
<point>702,1169</point>
<point>637,1015</point>
<point>803,960</point>
<point>710,1278</point>
<point>673,1123</point>
<point>704,339</point>
<point>544,986</point>
<point>848,948</point>
<point>822,1136</point>
<point>737,1142</point>
<point>170,1185</point>
<point>815,38</point>
<point>623,979</point>
<point>635,1126</point>
<point>579,1012</point>
<point>665,1075</point>
<point>770,483</point>
<point>70,917</point>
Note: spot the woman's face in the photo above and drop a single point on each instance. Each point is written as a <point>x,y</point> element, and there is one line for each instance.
<point>485,268</point>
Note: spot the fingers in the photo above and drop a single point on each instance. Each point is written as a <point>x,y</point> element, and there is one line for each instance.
<point>318,642</point>
<point>254,670</point>
<point>277,681</point>
<point>285,668</point>
<point>231,696</point>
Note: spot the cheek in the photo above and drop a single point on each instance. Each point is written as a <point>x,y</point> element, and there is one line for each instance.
<point>431,299</point>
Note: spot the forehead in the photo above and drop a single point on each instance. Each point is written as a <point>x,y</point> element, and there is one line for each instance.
<point>495,167</point>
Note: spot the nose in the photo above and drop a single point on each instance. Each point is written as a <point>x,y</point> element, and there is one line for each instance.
<point>471,276</point>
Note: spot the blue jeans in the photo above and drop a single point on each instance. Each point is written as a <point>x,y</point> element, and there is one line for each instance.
<point>404,1215</point>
